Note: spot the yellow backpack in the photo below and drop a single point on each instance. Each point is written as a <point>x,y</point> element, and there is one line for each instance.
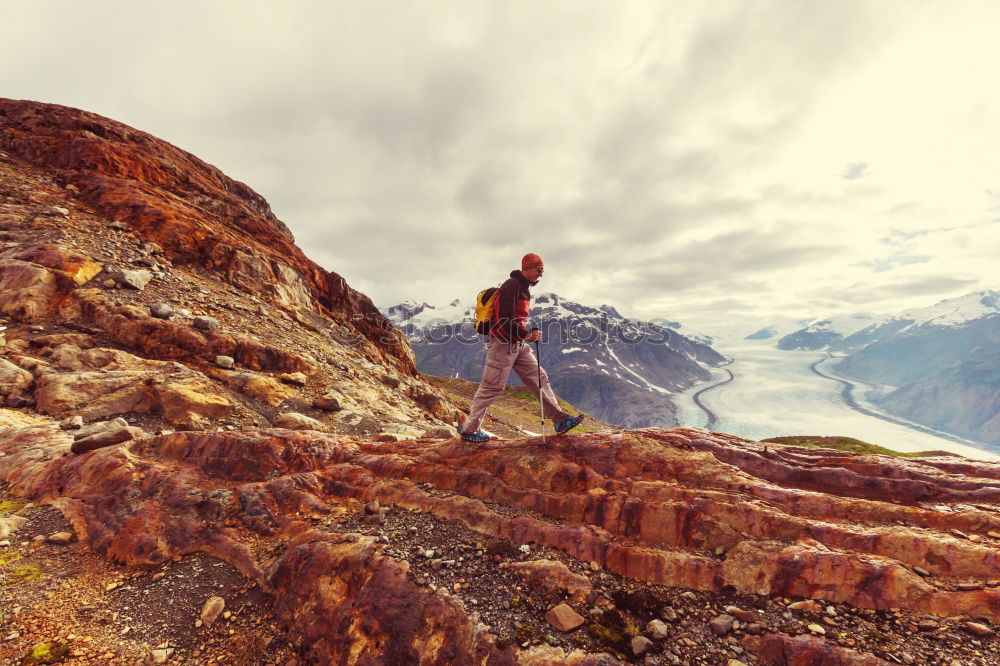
<point>486,303</point>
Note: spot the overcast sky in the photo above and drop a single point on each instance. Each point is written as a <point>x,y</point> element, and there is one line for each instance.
<point>710,162</point>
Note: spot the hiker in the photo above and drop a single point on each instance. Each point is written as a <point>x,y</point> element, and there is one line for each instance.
<point>506,350</point>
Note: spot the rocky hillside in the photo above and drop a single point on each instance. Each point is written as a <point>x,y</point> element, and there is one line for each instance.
<point>141,282</point>
<point>620,370</point>
<point>217,455</point>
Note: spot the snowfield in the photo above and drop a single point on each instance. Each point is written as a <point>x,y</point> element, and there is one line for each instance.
<point>775,393</point>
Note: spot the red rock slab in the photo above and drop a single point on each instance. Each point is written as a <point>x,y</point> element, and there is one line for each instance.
<point>167,340</point>
<point>345,603</point>
<point>551,576</point>
<point>808,569</point>
<point>805,651</point>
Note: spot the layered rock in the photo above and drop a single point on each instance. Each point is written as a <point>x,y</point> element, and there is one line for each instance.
<point>645,504</point>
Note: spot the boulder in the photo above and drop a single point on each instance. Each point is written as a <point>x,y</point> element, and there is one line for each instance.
<point>296,421</point>
<point>225,362</point>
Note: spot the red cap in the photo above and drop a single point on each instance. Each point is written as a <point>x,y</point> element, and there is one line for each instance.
<point>531,260</point>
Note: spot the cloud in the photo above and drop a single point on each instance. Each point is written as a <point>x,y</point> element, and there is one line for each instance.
<point>658,156</point>
<point>855,170</point>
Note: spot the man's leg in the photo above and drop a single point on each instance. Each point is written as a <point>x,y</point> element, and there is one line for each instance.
<point>526,367</point>
<point>499,360</point>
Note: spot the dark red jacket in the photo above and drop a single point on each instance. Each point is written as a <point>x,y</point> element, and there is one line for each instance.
<point>511,313</point>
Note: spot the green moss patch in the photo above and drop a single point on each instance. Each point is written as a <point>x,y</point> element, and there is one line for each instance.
<point>843,444</point>
<point>11,506</point>
<point>46,653</point>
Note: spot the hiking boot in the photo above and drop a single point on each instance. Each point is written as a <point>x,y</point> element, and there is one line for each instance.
<point>569,423</point>
<point>479,436</point>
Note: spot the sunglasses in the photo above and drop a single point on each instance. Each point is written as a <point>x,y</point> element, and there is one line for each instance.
<point>540,269</point>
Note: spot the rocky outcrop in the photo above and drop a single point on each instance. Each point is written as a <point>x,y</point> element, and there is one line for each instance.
<point>647,505</point>
<point>111,238</point>
<point>190,209</point>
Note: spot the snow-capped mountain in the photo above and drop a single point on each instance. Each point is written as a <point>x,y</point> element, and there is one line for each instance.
<point>938,363</point>
<point>618,369</point>
<point>825,332</point>
<point>765,333</point>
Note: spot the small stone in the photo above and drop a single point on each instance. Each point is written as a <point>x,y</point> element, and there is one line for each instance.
<point>161,310</point>
<point>373,507</point>
<point>161,656</point>
<point>817,629</point>
<point>743,616</point>
<point>111,586</point>
<point>755,629</point>
<point>640,645</point>
<point>969,587</point>
<point>656,629</point>
<point>158,576</point>
<point>206,323</point>
<point>808,606</point>
<point>722,625</point>
<point>109,284</point>
<point>329,401</point>
<point>831,611</point>
<point>295,378</point>
<point>135,279</point>
<point>72,423</point>
<point>927,625</point>
<point>62,211</point>
<point>225,362</point>
<point>152,248</point>
<point>106,437</point>
<point>564,618</point>
<point>12,636</point>
<point>668,614</point>
<point>993,535</point>
<point>960,534</point>
<point>212,609</point>
<point>443,432</point>
<point>594,566</point>
<point>907,658</point>
<point>59,538</point>
<point>978,629</point>
<point>736,662</point>
<point>524,548</point>
<point>921,572</point>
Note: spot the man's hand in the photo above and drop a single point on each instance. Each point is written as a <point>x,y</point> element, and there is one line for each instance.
<point>534,336</point>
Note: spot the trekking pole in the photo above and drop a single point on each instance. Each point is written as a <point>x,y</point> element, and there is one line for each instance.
<point>541,403</point>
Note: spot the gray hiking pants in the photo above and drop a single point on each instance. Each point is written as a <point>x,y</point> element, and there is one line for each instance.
<point>501,357</point>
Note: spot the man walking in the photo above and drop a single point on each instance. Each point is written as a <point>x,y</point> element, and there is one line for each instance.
<point>506,350</point>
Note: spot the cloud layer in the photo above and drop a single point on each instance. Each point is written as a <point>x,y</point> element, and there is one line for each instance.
<point>701,163</point>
